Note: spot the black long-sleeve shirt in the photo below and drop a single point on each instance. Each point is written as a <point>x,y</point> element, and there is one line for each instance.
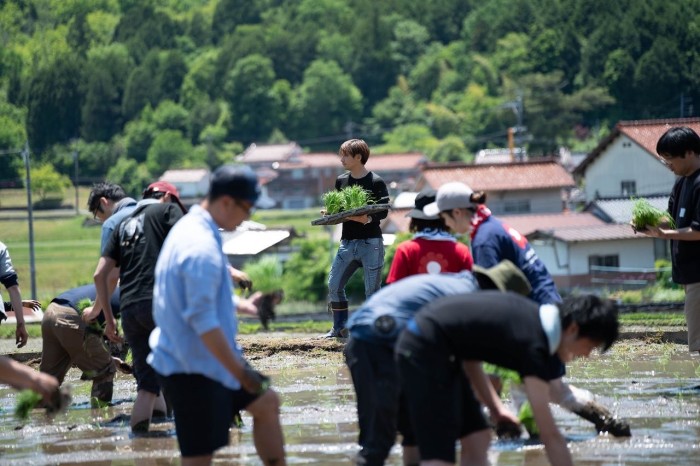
<point>373,184</point>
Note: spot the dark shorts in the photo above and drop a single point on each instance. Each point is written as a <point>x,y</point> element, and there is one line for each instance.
<point>442,406</point>
<point>137,323</point>
<point>204,411</point>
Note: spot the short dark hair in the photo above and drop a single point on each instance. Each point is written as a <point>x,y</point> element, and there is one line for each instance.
<point>596,318</point>
<point>418,224</point>
<point>677,141</point>
<point>237,182</point>
<point>105,189</point>
<point>353,147</point>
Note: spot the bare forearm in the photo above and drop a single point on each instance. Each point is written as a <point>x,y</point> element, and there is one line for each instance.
<point>682,234</point>
<point>218,345</point>
<point>104,276</point>
<point>16,300</point>
<point>482,386</point>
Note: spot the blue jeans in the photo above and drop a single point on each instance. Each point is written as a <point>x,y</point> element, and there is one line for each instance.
<point>353,254</point>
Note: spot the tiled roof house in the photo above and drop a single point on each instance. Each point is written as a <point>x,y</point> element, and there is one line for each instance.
<point>625,163</point>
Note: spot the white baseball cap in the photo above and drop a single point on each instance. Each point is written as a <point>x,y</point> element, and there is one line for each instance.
<point>450,196</point>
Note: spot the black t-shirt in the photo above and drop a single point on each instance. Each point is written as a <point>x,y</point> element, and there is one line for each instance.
<point>135,245</point>
<point>491,326</point>
<point>73,296</point>
<point>684,206</point>
<point>373,184</point>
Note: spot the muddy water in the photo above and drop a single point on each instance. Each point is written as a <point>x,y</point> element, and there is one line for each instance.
<point>654,391</point>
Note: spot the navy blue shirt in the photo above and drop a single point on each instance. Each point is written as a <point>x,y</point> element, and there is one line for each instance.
<point>382,317</point>
<point>495,241</point>
<point>73,296</point>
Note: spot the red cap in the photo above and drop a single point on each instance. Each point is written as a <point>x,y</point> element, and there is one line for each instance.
<point>165,187</point>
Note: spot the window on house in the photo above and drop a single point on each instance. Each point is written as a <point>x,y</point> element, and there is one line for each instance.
<point>516,207</point>
<point>612,260</point>
<point>297,174</point>
<point>628,188</point>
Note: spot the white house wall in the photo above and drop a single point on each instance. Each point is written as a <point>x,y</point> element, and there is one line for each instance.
<point>564,259</point>
<point>625,160</point>
<point>540,200</point>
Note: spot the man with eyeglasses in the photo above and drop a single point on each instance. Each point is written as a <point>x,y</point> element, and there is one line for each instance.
<point>109,204</point>
<point>194,349</point>
<point>679,149</point>
<point>133,248</point>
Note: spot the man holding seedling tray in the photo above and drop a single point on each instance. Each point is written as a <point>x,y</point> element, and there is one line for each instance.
<point>361,243</point>
<point>679,149</point>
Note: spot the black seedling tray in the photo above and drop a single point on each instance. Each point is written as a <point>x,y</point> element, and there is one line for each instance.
<point>340,217</point>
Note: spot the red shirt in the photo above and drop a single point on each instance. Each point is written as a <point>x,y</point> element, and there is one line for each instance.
<point>422,255</point>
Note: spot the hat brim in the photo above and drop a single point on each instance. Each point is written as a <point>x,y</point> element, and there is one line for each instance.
<point>420,215</point>
<point>431,210</point>
<point>506,276</point>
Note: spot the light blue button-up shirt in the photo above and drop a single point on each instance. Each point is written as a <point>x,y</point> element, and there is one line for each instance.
<point>192,295</point>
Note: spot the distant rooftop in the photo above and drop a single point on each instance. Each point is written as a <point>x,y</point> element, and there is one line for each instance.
<point>535,174</point>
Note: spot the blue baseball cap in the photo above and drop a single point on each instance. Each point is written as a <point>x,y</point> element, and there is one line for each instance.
<point>237,182</point>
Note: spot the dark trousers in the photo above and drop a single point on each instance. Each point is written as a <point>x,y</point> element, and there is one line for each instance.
<point>376,381</point>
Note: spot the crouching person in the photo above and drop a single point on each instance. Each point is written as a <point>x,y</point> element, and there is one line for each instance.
<point>68,340</point>
<point>457,333</point>
<point>194,350</point>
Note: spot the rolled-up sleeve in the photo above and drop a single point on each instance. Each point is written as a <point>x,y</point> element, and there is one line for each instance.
<point>8,275</point>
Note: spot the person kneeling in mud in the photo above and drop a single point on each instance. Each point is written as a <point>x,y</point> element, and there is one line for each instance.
<point>454,335</point>
<point>369,353</point>
<point>68,340</point>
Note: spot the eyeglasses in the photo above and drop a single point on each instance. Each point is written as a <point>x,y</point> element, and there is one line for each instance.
<point>98,210</point>
<point>247,207</point>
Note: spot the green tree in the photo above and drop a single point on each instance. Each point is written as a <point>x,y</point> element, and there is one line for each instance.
<point>170,149</point>
<point>326,100</point>
<point>54,100</point>
<point>450,149</point>
<point>142,87</point>
<point>230,14</point>
<point>306,272</point>
<point>200,81</point>
<point>409,42</point>
<point>169,115</point>
<point>408,138</point>
<point>134,177</point>
<point>248,94</point>
<point>47,183</point>
<point>171,74</point>
<point>101,112</point>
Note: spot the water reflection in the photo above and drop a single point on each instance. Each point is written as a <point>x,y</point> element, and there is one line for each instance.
<point>658,394</point>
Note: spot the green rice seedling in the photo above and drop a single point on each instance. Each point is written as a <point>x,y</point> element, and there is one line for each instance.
<point>527,419</point>
<point>646,215</point>
<point>26,401</point>
<point>266,274</point>
<point>94,326</point>
<point>354,197</point>
<point>333,201</point>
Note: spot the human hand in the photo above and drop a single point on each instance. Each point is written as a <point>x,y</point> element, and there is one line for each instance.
<point>90,313</point>
<point>111,330</point>
<point>240,277</point>
<point>363,219</point>
<point>507,426</point>
<point>21,335</point>
<point>249,306</point>
<point>31,304</point>
<point>44,384</point>
<point>254,382</point>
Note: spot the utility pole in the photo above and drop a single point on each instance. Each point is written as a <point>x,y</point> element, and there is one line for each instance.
<point>30,211</point>
<point>75,181</point>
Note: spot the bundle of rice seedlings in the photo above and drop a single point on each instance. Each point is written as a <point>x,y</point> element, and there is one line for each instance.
<point>646,215</point>
<point>27,400</point>
<point>348,198</point>
<point>355,197</point>
<point>333,201</point>
<point>265,274</point>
